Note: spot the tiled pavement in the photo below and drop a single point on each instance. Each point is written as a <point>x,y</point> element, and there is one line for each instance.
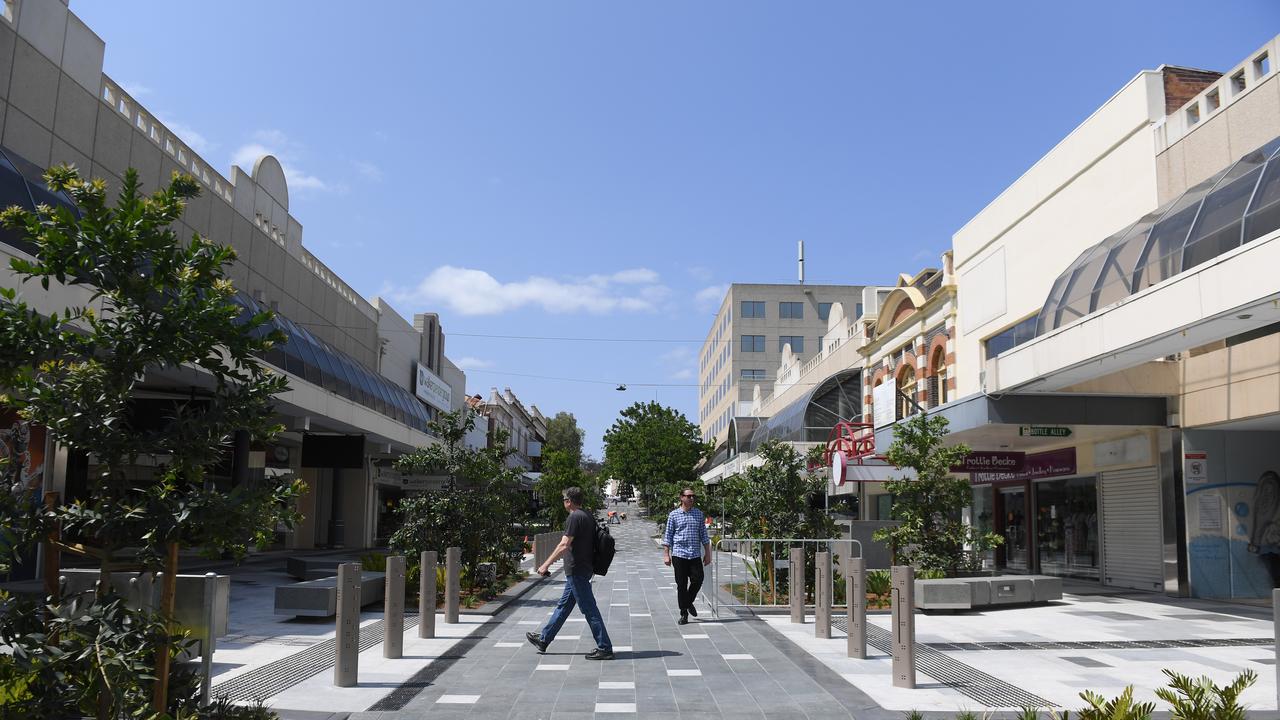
<point>736,667</point>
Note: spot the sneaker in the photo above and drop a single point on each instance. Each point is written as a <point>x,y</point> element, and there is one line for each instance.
<point>599,654</point>
<point>693,611</point>
<point>536,640</point>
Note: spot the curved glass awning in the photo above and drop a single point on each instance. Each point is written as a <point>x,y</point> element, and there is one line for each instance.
<point>810,417</point>
<point>22,184</point>
<point>1236,206</point>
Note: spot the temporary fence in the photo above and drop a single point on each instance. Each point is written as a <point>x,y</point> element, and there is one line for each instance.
<point>749,569</point>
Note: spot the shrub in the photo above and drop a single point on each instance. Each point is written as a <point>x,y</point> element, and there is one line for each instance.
<point>1201,699</point>
<point>1121,707</point>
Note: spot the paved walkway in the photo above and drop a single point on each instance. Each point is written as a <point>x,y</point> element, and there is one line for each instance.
<point>736,667</point>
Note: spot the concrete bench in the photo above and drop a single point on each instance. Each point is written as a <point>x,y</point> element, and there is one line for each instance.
<point>978,592</point>
<point>319,598</point>
<point>313,568</point>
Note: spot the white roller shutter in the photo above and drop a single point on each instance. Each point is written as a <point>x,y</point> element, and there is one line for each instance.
<point>1131,540</point>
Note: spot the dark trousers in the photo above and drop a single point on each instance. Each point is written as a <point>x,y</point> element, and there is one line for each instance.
<point>688,579</point>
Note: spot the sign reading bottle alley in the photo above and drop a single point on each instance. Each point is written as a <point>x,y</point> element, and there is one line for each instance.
<point>986,462</point>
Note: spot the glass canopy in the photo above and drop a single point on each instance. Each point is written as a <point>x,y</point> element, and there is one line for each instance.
<point>1236,206</point>
<point>810,417</point>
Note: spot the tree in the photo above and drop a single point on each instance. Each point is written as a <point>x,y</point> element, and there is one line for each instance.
<point>653,449</point>
<point>564,435</point>
<point>778,498</point>
<point>932,536</point>
<point>559,471</point>
<point>479,507</point>
<point>165,305</point>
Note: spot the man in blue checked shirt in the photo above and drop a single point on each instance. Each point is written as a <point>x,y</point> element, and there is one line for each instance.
<point>686,541</point>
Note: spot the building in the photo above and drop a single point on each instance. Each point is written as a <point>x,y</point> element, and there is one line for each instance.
<point>757,328</point>
<point>525,428</point>
<point>1118,337</point>
<point>363,382</point>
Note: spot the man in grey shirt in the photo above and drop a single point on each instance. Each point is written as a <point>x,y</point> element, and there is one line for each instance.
<point>577,547</point>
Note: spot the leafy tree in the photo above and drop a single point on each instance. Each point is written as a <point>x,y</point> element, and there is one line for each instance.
<point>164,305</point>
<point>479,508</point>
<point>559,471</point>
<point>653,449</point>
<point>778,498</point>
<point>564,435</point>
<point>931,537</point>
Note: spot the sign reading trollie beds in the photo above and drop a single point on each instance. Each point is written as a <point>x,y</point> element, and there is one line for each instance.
<point>432,390</point>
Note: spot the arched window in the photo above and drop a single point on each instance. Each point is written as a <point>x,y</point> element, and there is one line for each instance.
<point>906,392</point>
<point>937,378</point>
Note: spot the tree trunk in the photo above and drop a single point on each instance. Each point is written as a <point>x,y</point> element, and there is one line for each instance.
<point>160,697</point>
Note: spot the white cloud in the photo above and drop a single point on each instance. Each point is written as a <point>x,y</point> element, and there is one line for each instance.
<point>136,89</point>
<point>368,170</point>
<point>473,363</point>
<point>275,142</point>
<point>475,292</point>
<point>685,374</point>
<point>709,298</point>
<point>187,134</point>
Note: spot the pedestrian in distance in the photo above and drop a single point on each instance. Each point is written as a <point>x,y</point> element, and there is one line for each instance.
<point>577,547</point>
<point>686,547</point>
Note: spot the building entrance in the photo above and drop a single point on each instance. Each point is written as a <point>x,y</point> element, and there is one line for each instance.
<point>1014,528</point>
<point>1067,527</point>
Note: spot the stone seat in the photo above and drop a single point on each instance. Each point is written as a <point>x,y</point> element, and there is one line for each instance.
<point>312,568</point>
<point>319,598</point>
<point>979,592</point>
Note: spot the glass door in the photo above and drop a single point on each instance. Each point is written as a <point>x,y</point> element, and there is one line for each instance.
<point>1067,527</point>
<point>1015,528</point>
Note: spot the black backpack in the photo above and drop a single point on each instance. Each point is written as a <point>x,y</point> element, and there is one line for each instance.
<point>605,549</point>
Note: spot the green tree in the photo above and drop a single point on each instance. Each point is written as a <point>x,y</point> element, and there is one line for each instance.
<point>932,536</point>
<point>480,506</point>
<point>165,306</point>
<point>564,435</point>
<point>779,498</point>
<point>560,471</point>
<point>653,449</point>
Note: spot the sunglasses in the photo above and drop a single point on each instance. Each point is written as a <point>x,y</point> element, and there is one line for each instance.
<point>689,496</point>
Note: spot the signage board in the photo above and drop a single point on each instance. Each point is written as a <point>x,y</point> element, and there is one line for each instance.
<point>1195,468</point>
<point>837,467</point>
<point>1054,463</point>
<point>1044,431</point>
<point>432,390</point>
<point>884,402</point>
<point>983,462</point>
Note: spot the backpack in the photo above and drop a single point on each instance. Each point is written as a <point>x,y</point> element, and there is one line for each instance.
<point>605,548</point>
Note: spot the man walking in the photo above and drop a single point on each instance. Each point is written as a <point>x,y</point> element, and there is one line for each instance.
<point>684,544</point>
<point>577,547</point>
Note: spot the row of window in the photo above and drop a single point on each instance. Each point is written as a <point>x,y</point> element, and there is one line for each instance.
<point>755,343</point>
<point>786,310</point>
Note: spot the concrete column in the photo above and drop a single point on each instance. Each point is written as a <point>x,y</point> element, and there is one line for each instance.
<point>452,580</point>
<point>822,595</point>
<point>345,669</point>
<point>796,585</point>
<point>855,583</point>
<point>393,609</point>
<point>427,595</point>
<point>210,637</point>
<point>904,626</point>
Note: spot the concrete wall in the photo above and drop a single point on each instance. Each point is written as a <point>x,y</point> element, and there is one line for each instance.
<point>1232,383</point>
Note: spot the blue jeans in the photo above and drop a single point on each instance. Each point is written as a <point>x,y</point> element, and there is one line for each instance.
<point>577,590</point>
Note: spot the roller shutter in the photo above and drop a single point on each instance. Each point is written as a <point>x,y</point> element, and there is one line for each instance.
<point>1131,538</point>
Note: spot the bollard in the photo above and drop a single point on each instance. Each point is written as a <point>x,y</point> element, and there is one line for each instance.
<point>345,670</point>
<point>795,583</point>
<point>822,595</point>
<point>393,609</point>
<point>452,580</point>
<point>904,626</point>
<point>209,641</point>
<point>427,595</point>
<point>855,584</point>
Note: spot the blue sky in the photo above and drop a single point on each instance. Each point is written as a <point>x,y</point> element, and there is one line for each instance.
<point>593,169</point>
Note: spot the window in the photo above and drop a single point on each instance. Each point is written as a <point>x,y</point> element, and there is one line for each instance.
<point>821,347</point>
<point>1213,100</point>
<point>752,343</point>
<point>752,308</point>
<point>824,311</point>
<point>791,310</point>
<point>1193,114</point>
<point>1237,83</point>
<point>795,341</point>
<point>1261,66</point>
<point>937,380</point>
<point>906,392</point>
<point>857,311</point>
<point>752,374</point>
<point>1011,338</point>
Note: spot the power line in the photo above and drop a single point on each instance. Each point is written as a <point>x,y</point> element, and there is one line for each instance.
<point>592,381</point>
<point>578,339</point>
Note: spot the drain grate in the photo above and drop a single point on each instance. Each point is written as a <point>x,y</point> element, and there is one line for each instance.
<point>1100,644</point>
<point>276,677</point>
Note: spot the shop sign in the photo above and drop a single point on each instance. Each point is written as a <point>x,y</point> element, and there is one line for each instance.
<point>986,462</point>
<point>837,468</point>
<point>432,390</point>
<point>1044,431</point>
<point>1195,468</point>
<point>1054,463</point>
<point>884,402</point>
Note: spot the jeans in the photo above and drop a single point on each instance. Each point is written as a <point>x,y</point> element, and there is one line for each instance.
<point>577,590</point>
<point>688,579</point>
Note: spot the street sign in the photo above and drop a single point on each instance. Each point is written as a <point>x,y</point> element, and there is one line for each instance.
<point>1044,431</point>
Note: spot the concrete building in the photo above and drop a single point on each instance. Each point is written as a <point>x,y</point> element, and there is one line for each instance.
<point>525,428</point>
<point>757,328</point>
<point>363,381</point>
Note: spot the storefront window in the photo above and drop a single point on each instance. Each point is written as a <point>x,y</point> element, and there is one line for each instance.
<point>1013,526</point>
<point>1067,527</point>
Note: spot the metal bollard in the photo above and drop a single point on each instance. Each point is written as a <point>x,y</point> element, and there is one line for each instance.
<point>346,669</point>
<point>393,609</point>
<point>904,626</point>
<point>795,583</point>
<point>452,580</point>
<point>822,595</point>
<point>855,583</point>
<point>427,595</point>
<point>209,641</point>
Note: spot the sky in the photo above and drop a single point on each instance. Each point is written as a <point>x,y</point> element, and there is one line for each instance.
<point>602,170</point>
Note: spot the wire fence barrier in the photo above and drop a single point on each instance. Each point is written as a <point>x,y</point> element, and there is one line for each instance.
<point>757,572</point>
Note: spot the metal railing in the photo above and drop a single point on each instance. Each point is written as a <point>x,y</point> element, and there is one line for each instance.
<point>752,564</point>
